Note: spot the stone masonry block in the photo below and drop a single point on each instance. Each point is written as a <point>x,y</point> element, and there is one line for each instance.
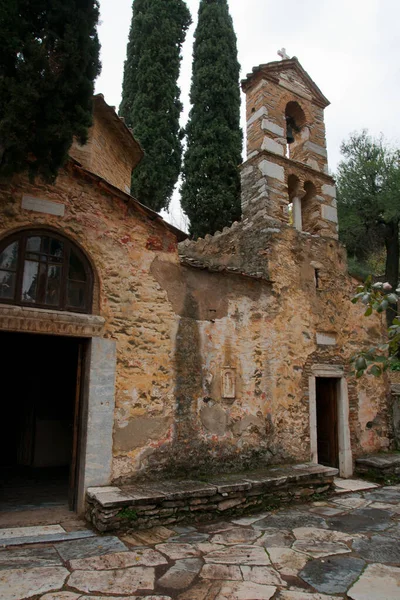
<point>272,146</point>
<point>272,127</point>
<point>329,190</point>
<point>273,170</point>
<point>329,213</point>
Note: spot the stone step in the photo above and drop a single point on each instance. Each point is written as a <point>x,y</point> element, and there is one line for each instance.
<point>161,503</point>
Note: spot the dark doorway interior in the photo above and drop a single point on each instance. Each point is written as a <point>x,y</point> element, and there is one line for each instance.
<point>40,417</point>
<point>327,421</point>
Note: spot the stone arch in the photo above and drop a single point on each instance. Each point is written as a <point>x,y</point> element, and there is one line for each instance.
<point>72,250</point>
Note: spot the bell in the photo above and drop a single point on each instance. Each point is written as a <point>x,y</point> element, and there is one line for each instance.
<point>289,133</point>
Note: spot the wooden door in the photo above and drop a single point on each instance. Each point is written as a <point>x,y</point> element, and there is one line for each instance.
<point>327,421</point>
<point>73,476</point>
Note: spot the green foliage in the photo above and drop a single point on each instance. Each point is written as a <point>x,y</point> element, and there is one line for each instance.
<point>368,182</point>
<point>150,96</point>
<point>211,183</point>
<point>128,513</point>
<point>49,60</point>
<point>378,298</point>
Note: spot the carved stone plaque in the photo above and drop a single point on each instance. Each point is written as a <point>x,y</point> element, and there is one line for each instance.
<point>43,206</point>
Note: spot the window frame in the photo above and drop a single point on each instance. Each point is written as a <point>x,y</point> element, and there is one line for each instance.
<point>21,237</point>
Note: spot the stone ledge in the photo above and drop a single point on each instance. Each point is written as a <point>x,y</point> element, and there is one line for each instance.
<point>39,320</point>
<point>162,503</point>
<point>379,465</point>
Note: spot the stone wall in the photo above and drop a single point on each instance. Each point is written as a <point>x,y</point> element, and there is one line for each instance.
<point>111,151</point>
<point>173,502</point>
<point>121,244</point>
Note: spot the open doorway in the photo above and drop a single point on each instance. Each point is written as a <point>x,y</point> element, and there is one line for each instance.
<point>39,428</point>
<point>327,421</point>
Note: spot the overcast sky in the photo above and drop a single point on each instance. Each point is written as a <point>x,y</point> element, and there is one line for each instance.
<point>350,48</point>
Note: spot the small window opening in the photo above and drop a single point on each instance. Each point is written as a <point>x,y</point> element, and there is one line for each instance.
<point>316,278</point>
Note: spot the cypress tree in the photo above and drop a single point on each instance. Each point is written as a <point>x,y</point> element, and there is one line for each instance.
<point>211,182</point>
<point>49,60</point>
<point>150,96</point>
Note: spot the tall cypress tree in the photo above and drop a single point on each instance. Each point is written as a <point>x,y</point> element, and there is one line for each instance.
<point>150,96</point>
<point>49,60</point>
<point>211,182</point>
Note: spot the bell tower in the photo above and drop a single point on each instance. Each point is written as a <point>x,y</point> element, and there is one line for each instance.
<point>286,172</point>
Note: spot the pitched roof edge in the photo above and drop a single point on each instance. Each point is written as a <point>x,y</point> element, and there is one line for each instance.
<point>275,67</point>
<point>151,214</point>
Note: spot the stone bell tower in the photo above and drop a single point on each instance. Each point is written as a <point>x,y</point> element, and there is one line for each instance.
<point>286,171</point>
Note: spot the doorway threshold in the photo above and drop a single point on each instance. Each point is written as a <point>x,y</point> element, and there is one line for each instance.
<point>20,536</point>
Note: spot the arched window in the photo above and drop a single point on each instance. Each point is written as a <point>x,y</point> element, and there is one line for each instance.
<point>40,268</point>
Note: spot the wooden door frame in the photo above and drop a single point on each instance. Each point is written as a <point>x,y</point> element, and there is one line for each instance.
<point>345,453</point>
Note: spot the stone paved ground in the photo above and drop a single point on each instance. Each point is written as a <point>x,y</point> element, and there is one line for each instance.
<point>346,547</point>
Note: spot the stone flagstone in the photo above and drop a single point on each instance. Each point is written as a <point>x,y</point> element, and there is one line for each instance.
<point>29,558</point>
<point>117,581</point>
<point>289,519</point>
<point>351,502</point>
<point>287,561</point>
<point>63,596</point>
<point>362,520</point>
<point>181,574</point>
<point>223,572</point>
<point>90,547</point>
<point>353,485</point>
<point>239,555</point>
<point>379,548</point>
<point>245,590</point>
<point>145,557</point>
<point>322,535</point>
<point>18,584</point>
<point>378,582</point>
<point>240,535</point>
<point>300,595</point>
<point>262,575</point>
<point>333,576</point>
<point>205,590</point>
<point>148,537</point>
<point>318,549</point>
<point>278,538</point>
<point>176,551</point>
<point>124,598</point>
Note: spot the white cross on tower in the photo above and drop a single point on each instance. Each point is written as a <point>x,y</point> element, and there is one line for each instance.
<point>283,55</point>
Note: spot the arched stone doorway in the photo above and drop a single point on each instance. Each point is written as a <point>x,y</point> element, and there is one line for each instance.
<point>52,348</point>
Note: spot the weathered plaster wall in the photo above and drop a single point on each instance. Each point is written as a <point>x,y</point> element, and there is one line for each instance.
<point>253,309</point>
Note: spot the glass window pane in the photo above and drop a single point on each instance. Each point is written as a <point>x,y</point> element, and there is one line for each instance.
<point>76,269</point>
<point>33,244</point>
<point>30,281</point>
<point>53,285</point>
<point>56,249</point>
<point>7,285</point>
<point>76,294</point>
<point>9,257</point>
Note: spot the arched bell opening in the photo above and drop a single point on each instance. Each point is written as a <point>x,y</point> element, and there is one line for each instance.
<point>310,210</point>
<point>294,193</point>
<point>295,119</point>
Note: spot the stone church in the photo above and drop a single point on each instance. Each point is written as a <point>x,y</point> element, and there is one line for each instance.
<point>134,354</point>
